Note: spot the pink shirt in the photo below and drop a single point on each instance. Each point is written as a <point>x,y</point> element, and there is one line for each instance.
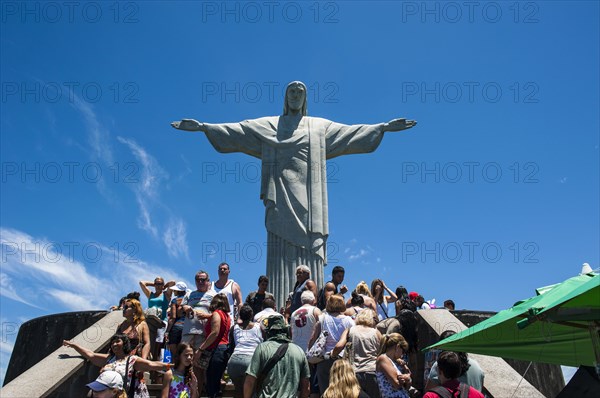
<point>452,387</point>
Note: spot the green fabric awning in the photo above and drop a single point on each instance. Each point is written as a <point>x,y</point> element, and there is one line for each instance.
<point>559,326</point>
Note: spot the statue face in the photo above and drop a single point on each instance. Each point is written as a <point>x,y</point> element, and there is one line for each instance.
<point>295,97</point>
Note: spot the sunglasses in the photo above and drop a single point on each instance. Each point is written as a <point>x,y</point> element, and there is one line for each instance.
<point>202,280</point>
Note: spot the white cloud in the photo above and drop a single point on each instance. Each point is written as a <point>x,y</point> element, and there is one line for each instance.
<point>73,301</point>
<point>98,135</point>
<point>365,254</point>
<point>144,221</point>
<point>36,261</point>
<point>147,187</point>
<point>35,267</point>
<point>99,141</point>
<point>6,347</point>
<point>147,192</point>
<point>43,259</point>
<point>151,172</point>
<point>7,290</point>
<point>187,171</point>
<point>361,253</point>
<point>175,238</point>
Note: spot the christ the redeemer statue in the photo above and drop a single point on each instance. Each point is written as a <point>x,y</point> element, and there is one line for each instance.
<point>294,149</point>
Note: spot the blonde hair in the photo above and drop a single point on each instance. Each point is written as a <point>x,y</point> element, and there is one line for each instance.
<point>390,340</point>
<point>366,318</point>
<point>363,288</point>
<point>342,381</point>
<point>138,316</point>
<point>335,303</point>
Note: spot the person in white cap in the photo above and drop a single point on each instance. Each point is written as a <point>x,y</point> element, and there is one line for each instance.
<point>176,315</point>
<point>108,384</point>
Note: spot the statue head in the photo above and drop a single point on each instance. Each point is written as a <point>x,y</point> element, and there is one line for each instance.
<point>295,98</point>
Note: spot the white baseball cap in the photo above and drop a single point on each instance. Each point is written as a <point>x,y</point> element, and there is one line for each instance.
<point>107,379</point>
<point>180,287</point>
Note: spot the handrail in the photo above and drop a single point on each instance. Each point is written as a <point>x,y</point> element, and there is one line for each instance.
<point>44,377</point>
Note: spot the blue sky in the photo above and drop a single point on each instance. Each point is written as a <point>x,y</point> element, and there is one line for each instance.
<point>493,194</point>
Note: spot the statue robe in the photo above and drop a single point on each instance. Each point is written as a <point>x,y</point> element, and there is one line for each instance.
<point>294,184</point>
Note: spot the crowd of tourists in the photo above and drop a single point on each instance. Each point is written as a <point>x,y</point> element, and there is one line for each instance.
<point>319,344</point>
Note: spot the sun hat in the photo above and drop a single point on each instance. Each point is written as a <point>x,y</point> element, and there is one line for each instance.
<point>180,287</point>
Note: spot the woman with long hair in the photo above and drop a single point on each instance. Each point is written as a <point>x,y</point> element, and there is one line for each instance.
<point>247,336</point>
<point>181,382</point>
<point>334,322</point>
<point>135,328</point>
<point>343,382</point>
<point>365,342</point>
<point>120,360</point>
<point>393,375</point>
<point>213,351</point>
<point>176,316</point>
<point>378,288</point>
<point>158,299</point>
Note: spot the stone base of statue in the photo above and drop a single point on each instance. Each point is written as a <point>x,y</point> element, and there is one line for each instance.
<point>282,260</point>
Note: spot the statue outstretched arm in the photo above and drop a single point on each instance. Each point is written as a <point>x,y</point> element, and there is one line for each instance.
<point>189,125</point>
<point>398,125</point>
<point>229,137</point>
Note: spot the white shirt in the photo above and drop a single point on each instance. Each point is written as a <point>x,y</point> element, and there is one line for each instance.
<point>265,313</point>
<point>228,291</point>
<point>246,341</point>
<point>302,322</point>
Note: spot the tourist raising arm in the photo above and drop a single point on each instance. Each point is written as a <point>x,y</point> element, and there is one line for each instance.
<point>96,358</point>
<point>159,286</point>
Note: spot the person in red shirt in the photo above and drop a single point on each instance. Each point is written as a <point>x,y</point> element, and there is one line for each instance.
<point>449,370</point>
<point>212,352</point>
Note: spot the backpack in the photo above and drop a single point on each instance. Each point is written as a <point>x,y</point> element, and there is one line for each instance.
<point>463,391</point>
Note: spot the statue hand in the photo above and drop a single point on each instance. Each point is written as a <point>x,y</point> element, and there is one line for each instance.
<point>188,125</point>
<point>399,124</point>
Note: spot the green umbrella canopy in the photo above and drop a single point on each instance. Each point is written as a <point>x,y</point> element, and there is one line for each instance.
<point>559,326</point>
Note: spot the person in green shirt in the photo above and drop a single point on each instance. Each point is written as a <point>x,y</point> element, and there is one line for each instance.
<point>288,375</point>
